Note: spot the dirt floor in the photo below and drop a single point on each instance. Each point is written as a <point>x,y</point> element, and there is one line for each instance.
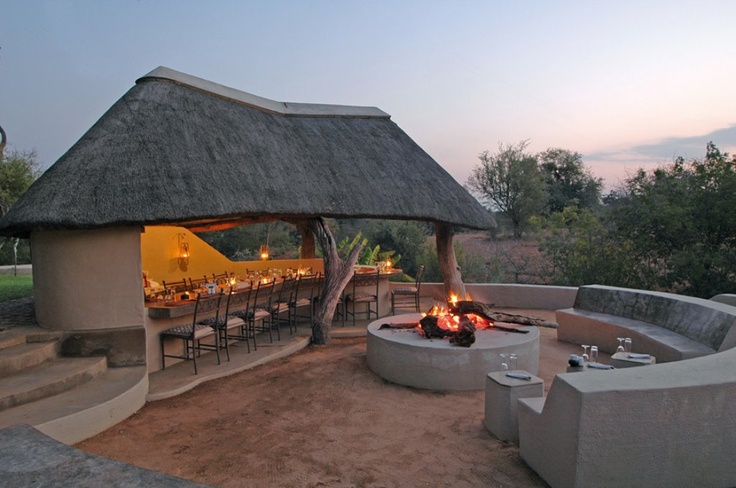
<point>321,418</point>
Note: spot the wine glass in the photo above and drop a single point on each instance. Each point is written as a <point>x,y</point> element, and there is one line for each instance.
<point>504,365</point>
<point>593,354</point>
<point>627,344</point>
<point>620,347</point>
<point>585,352</point>
<point>512,361</point>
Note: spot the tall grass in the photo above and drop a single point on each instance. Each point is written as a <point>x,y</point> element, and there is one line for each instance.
<point>12,287</point>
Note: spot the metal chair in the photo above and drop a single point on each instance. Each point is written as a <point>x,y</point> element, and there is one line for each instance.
<point>203,325</point>
<point>408,295</point>
<point>365,291</point>
<point>227,321</point>
<point>303,296</point>
<point>280,300</point>
<point>261,300</point>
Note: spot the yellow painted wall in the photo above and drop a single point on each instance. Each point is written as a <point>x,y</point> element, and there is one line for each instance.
<point>160,257</point>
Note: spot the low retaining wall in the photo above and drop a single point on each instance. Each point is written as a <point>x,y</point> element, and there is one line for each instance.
<point>509,295</point>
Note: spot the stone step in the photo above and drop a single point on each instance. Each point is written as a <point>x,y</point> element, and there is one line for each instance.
<point>8,340</point>
<point>86,410</point>
<point>49,378</point>
<point>26,355</point>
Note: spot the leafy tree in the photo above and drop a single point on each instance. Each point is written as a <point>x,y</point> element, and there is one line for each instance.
<point>581,249</point>
<point>569,182</point>
<point>18,170</point>
<point>510,181</point>
<point>679,221</point>
<point>404,238</point>
<point>243,243</point>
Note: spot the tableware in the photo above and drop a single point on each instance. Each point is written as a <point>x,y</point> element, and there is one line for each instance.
<point>627,344</point>
<point>620,347</point>
<point>593,354</point>
<point>585,352</point>
<point>512,361</point>
<point>504,364</point>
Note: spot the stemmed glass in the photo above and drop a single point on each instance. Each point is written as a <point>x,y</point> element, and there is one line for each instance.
<point>593,354</point>
<point>504,365</point>
<point>585,352</point>
<point>512,361</point>
<point>620,347</point>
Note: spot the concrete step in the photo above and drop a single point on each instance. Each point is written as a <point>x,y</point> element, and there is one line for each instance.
<point>8,340</point>
<point>26,355</point>
<point>49,378</point>
<point>87,409</point>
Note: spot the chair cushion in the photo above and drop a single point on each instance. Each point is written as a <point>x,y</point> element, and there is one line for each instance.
<point>361,297</point>
<point>185,331</point>
<point>179,331</point>
<point>242,314</point>
<point>233,322</point>
<point>261,314</point>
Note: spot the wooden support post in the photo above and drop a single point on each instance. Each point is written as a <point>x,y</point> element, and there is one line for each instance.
<point>448,262</point>
<point>337,275</point>
<point>308,245</point>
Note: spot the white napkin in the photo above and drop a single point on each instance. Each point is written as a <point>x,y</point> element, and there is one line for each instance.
<point>599,366</point>
<point>633,355</point>
<point>519,376</point>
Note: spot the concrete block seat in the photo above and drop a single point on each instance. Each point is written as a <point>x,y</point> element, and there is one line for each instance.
<point>671,327</point>
<point>663,425</point>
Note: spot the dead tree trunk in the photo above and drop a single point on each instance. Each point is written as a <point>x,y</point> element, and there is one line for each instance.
<point>448,262</point>
<point>15,256</point>
<point>3,141</point>
<point>337,276</point>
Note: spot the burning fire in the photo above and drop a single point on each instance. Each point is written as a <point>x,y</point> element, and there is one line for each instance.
<point>448,320</point>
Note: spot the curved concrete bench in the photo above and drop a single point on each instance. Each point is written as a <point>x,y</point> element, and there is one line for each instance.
<point>665,425</point>
<point>671,327</point>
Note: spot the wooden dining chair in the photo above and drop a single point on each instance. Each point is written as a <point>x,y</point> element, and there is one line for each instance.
<point>204,320</point>
<point>408,295</point>
<point>197,283</point>
<point>364,291</point>
<point>221,278</point>
<point>176,286</point>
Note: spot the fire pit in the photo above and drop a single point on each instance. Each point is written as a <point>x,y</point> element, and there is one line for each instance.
<point>406,357</point>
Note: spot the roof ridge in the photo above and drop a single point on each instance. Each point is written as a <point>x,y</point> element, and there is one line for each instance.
<point>283,108</point>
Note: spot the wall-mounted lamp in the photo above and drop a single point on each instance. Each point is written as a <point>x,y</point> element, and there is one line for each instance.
<point>264,252</point>
<point>183,251</point>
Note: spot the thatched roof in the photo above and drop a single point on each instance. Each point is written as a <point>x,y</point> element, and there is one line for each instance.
<point>180,150</point>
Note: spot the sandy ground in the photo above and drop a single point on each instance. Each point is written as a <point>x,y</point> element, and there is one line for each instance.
<point>321,418</point>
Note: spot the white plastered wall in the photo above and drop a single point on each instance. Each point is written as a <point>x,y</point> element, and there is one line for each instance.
<point>88,279</point>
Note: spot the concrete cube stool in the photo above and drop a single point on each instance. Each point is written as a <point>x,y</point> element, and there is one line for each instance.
<point>502,393</point>
<point>622,360</point>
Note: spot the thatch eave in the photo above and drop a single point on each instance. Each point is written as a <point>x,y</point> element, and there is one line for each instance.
<point>170,153</point>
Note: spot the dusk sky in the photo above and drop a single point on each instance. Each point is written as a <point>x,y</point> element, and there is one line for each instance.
<point>627,84</point>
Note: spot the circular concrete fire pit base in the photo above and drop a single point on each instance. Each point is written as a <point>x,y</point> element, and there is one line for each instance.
<point>405,357</point>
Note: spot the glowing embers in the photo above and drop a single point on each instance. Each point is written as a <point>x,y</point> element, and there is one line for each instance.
<point>454,322</point>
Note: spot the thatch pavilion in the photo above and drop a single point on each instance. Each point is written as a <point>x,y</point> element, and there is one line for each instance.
<point>182,151</point>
